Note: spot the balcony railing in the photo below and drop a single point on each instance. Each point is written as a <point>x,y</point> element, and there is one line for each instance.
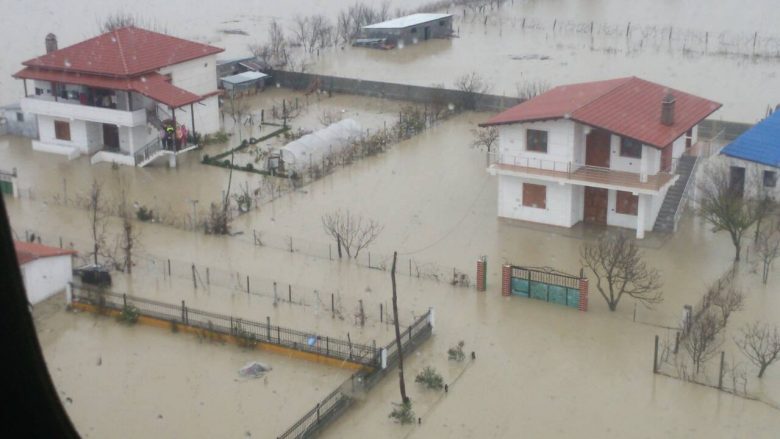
<point>73,109</point>
<point>578,173</point>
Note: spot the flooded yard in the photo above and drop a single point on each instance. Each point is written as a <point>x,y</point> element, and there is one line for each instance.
<point>538,370</point>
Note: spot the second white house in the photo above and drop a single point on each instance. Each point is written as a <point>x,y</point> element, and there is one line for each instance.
<point>604,152</point>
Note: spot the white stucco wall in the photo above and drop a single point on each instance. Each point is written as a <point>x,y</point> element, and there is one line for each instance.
<point>652,206</point>
<point>560,138</point>
<point>46,276</point>
<point>754,176</point>
<point>558,211</point>
<point>198,76</point>
<point>79,134</point>
<point>206,116</point>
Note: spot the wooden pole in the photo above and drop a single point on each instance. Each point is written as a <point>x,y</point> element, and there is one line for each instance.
<point>655,356</point>
<point>399,347</point>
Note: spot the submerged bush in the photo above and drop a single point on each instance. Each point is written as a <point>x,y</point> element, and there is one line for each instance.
<point>456,352</point>
<point>403,413</point>
<point>129,314</point>
<point>430,378</point>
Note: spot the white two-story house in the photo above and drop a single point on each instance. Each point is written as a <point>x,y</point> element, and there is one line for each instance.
<point>127,96</point>
<point>601,152</point>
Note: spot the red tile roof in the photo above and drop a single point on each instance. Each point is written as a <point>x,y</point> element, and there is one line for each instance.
<point>30,251</point>
<point>128,51</point>
<point>153,85</point>
<point>628,107</point>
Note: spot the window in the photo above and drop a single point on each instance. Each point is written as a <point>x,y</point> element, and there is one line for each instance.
<point>535,195</point>
<point>414,30</point>
<point>61,130</point>
<point>19,117</point>
<point>38,91</point>
<point>630,148</point>
<point>536,140</point>
<point>442,22</point>
<point>770,178</point>
<point>626,203</point>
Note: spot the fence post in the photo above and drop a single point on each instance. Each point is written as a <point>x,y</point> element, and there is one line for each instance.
<point>318,412</point>
<point>194,281</point>
<point>720,373</point>
<point>278,335</point>
<point>583,294</point>
<point>275,295</point>
<point>208,281</point>
<point>169,268</point>
<point>655,356</point>
<point>506,280</point>
<point>289,293</point>
<point>268,327</point>
<point>676,341</point>
<point>332,306</point>
<point>124,300</point>
<point>247,284</point>
<point>291,245</point>
<point>60,241</point>
<point>381,314</point>
<point>232,328</point>
<point>327,346</point>
<point>182,313</point>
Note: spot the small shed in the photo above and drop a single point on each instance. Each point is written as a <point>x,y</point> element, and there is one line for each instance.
<point>411,29</point>
<point>45,270</point>
<point>244,82</point>
<point>312,149</point>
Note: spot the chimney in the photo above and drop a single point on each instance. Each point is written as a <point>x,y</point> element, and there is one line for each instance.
<point>51,43</point>
<point>667,110</point>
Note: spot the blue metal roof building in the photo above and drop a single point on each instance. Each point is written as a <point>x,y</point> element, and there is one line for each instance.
<point>760,144</point>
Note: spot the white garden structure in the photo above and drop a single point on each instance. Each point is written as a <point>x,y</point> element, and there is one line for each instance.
<point>312,149</point>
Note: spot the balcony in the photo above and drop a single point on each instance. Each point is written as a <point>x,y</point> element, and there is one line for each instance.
<point>73,109</point>
<point>579,174</point>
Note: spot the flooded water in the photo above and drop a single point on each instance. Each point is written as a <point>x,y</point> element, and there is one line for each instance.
<point>518,51</point>
<point>540,370</point>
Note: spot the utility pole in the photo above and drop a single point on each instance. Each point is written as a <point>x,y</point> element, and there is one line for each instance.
<point>404,398</point>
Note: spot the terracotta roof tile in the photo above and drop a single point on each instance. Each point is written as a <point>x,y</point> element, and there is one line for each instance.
<point>30,251</point>
<point>127,51</point>
<point>628,107</point>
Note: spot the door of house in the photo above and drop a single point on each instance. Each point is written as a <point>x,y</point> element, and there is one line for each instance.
<point>597,148</point>
<point>110,136</point>
<point>666,158</point>
<point>737,180</point>
<point>596,203</point>
<point>427,32</point>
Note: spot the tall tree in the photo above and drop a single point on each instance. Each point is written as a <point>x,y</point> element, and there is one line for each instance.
<point>761,344</point>
<point>617,265</point>
<point>97,219</point>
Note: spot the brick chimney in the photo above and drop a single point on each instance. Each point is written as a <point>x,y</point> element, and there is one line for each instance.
<point>51,43</point>
<point>667,109</point>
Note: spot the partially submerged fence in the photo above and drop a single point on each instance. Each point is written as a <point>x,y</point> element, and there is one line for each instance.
<point>545,284</point>
<point>246,330</point>
<point>333,405</point>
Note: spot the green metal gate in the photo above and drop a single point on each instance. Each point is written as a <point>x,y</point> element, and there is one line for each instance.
<point>6,187</point>
<point>546,284</point>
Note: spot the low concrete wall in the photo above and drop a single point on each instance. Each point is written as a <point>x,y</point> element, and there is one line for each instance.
<point>70,151</point>
<point>112,157</point>
<point>389,90</point>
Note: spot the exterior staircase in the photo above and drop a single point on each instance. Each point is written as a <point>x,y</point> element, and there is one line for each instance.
<point>666,222</point>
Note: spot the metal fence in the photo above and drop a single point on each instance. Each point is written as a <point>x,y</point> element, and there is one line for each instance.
<point>248,330</point>
<point>340,399</point>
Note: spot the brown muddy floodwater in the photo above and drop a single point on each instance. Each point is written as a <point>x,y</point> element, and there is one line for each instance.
<point>540,369</point>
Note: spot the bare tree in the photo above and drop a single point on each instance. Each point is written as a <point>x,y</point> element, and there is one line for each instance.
<point>97,219</point>
<point>485,138</point>
<point>530,89</point>
<point>352,233</point>
<point>702,341</point>
<point>761,344</point>
<point>471,84</point>
<point>768,247</point>
<point>725,207</point>
<point>765,206</point>
<point>119,20</point>
<point>129,235</point>
<point>617,264</point>
<point>301,32</point>
<point>330,116</point>
<point>726,295</point>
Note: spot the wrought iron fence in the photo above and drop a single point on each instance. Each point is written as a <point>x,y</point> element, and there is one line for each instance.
<point>546,275</point>
<point>248,330</point>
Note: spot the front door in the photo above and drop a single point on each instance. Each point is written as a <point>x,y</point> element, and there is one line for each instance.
<point>427,32</point>
<point>111,136</point>
<point>596,203</point>
<point>597,148</point>
<point>666,158</point>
